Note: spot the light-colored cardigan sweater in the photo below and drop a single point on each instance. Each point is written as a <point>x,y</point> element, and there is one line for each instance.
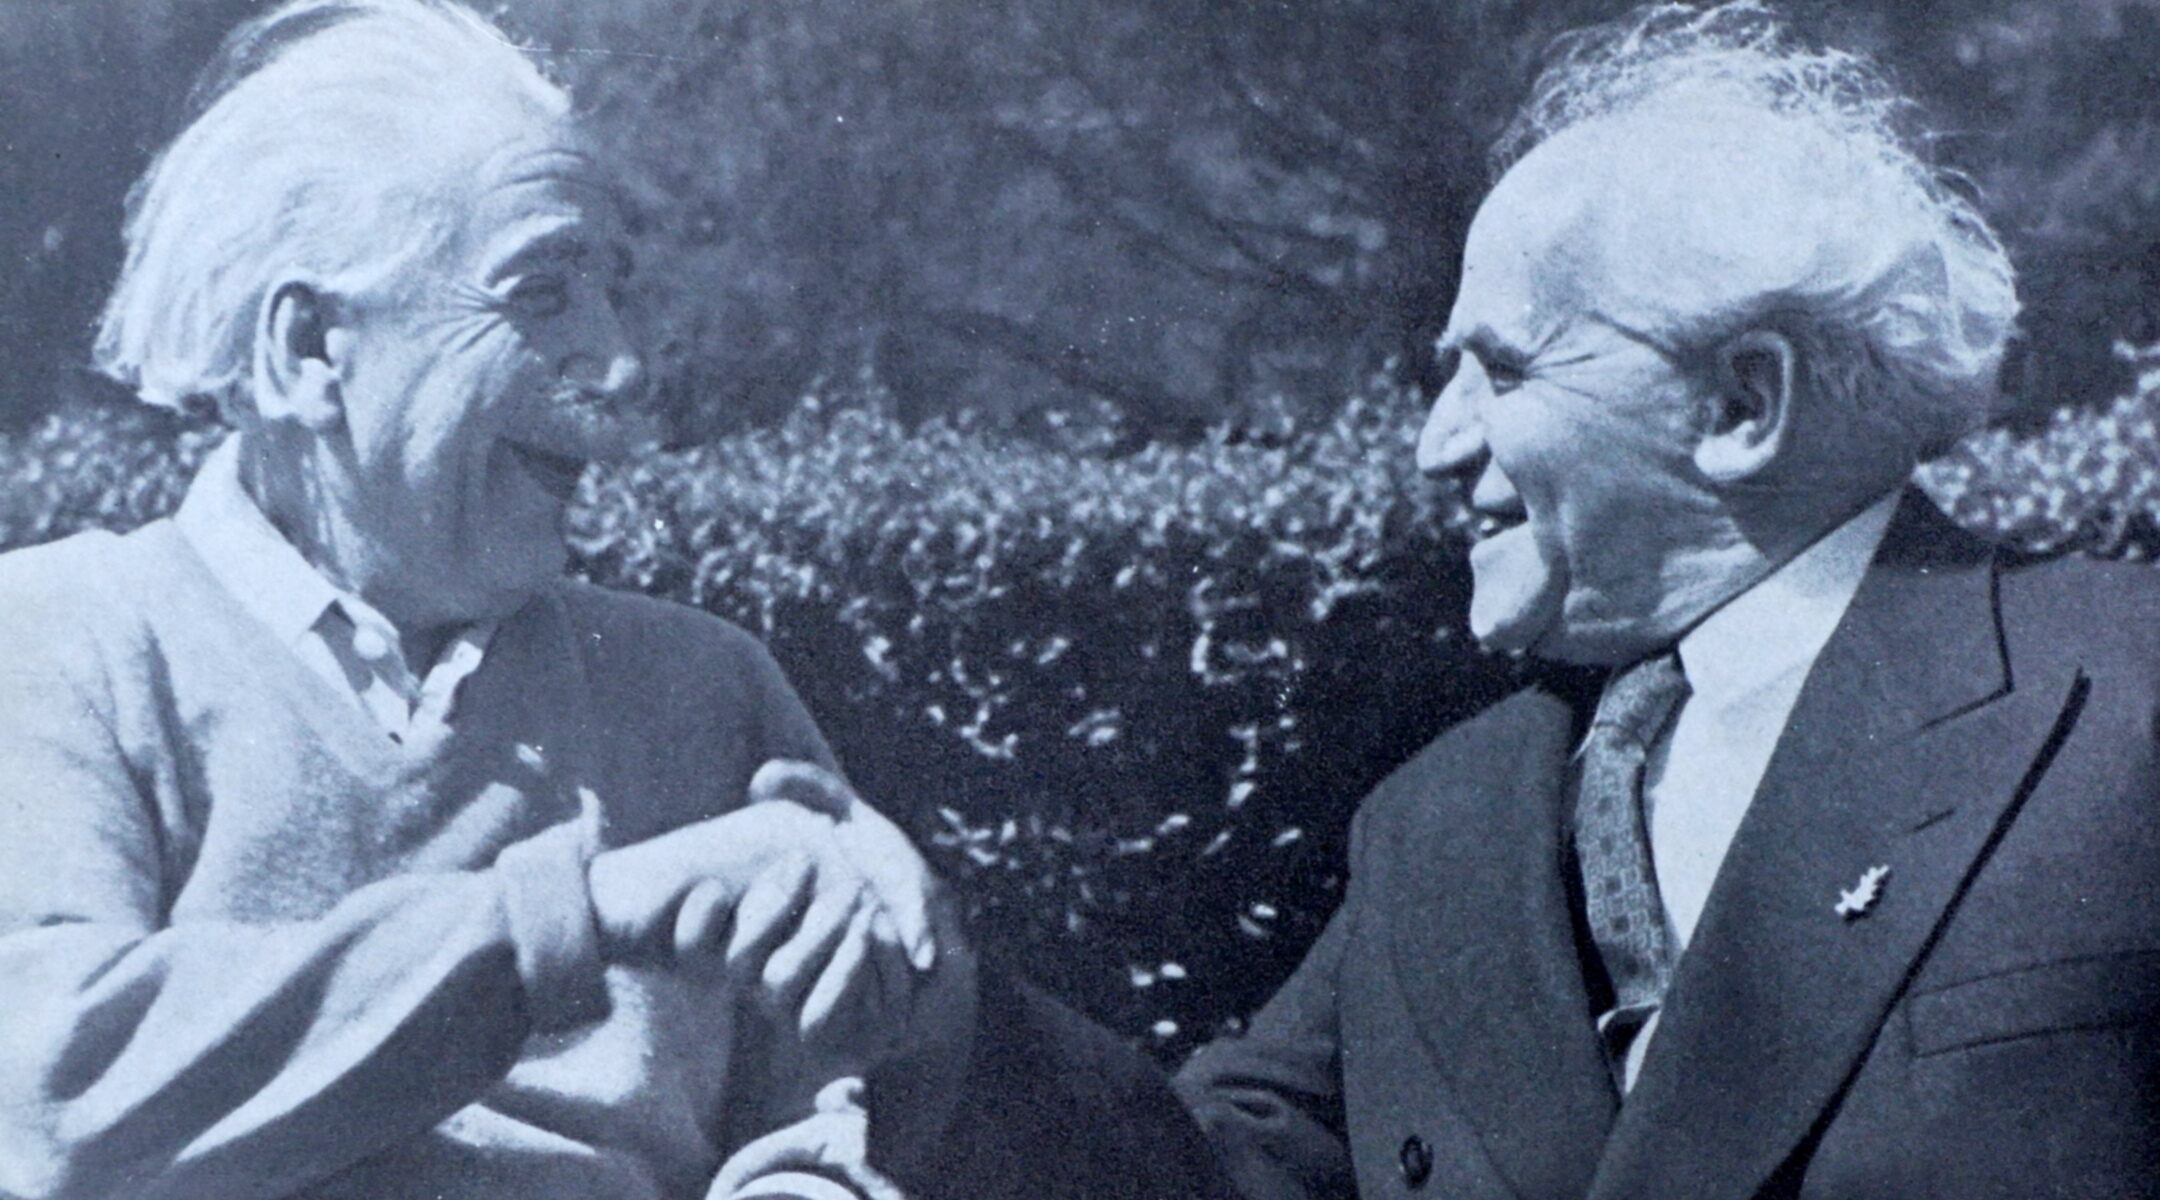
<point>251,947</point>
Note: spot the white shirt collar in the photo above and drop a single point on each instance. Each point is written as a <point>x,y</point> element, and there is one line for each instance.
<point>276,585</point>
<point>1782,623</point>
<point>247,554</point>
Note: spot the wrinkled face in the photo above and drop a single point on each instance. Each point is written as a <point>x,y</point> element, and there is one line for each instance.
<point>1570,424</point>
<point>474,398</point>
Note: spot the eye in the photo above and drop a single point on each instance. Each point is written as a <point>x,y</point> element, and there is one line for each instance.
<point>540,296</point>
<point>1505,376</point>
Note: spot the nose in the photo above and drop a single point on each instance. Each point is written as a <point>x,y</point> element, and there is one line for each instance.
<point>1453,439</point>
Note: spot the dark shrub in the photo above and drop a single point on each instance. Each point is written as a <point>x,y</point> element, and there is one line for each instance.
<point>1127,703</point>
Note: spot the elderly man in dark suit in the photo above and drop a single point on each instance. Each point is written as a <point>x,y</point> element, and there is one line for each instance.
<point>1847,882</point>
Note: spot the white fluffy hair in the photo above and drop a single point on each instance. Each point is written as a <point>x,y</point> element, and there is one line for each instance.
<point>316,148</point>
<point>1916,349</point>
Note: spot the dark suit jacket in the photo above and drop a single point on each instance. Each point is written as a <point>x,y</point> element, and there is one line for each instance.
<point>1990,1027</point>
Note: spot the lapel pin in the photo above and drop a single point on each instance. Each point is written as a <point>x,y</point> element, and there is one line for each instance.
<point>1856,900</point>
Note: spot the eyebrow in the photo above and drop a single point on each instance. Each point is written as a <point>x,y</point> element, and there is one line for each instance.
<point>1485,344</point>
<point>564,243</point>
<point>561,245</point>
<point>1641,337</point>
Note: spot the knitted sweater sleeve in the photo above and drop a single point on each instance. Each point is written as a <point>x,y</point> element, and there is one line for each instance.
<point>142,1059</point>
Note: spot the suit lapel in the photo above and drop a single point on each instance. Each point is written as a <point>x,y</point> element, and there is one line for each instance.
<point>1485,947</point>
<point>1908,748</point>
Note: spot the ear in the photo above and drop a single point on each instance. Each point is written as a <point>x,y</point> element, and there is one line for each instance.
<point>1752,408</point>
<point>298,359</point>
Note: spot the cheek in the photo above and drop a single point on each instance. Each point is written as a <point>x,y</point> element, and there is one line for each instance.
<point>476,399</point>
<point>1538,453</point>
<point>1573,461</point>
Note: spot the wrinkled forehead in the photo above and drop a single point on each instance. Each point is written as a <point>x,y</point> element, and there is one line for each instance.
<point>550,164</point>
<point>1662,220</point>
<point>555,194</point>
<point>521,177</point>
<point>1523,266</point>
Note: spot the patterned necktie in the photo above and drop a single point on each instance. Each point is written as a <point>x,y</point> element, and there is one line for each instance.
<point>1620,891</point>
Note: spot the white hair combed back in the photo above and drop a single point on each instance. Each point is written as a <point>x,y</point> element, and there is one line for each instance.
<point>315,148</point>
<point>1910,331</point>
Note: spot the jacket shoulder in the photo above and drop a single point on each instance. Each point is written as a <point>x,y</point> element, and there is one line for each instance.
<point>645,633</point>
<point>1470,767</point>
<point>67,565</point>
<point>2102,614</point>
<point>88,581</point>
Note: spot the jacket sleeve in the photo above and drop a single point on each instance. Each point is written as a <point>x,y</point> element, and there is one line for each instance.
<point>143,1059</point>
<point>1055,1105</point>
<point>1270,1100</point>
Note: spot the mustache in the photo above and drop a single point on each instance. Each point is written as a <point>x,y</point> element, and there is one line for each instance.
<point>584,396</point>
<point>597,420</point>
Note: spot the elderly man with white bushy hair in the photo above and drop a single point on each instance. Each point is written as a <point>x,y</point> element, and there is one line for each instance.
<point>347,849</point>
<point>1846,883</point>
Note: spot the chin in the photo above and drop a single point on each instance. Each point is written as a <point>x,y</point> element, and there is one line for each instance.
<point>1589,634</point>
<point>1515,597</point>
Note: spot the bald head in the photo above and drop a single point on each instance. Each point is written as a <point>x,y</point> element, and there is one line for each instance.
<point>1678,222</point>
<point>332,141</point>
<point>1710,175</point>
<point>1712,309</point>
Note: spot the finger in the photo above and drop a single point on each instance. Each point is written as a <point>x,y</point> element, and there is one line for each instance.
<point>883,934</point>
<point>703,917</point>
<point>805,784</point>
<point>899,877</point>
<point>756,834</point>
<point>769,909</point>
<point>873,843</point>
<point>895,979</point>
<point>793,967</point>
<point>898,984</point>
<point>843,975</point>
<point>885,938</point>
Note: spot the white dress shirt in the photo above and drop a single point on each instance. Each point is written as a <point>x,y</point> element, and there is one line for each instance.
<point>1745,664</point>
<point>337,634</point>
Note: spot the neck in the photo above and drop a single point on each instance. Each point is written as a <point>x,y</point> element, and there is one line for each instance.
<point>1763,546</point>
<point>296,497</point>
<point>1832,468</point>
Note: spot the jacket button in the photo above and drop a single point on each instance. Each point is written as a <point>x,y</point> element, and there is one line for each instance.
<point>1416,1161</point>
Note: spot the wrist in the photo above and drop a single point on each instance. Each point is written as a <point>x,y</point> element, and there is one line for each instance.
<point>612,883</point>
<point>548,913</point>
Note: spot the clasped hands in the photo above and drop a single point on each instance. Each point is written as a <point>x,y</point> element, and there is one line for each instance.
<point>806,896</point>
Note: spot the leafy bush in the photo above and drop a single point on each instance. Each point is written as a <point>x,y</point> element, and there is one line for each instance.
<point>2089,481</point>
<point>1127,703</point>
<point>95,468</point>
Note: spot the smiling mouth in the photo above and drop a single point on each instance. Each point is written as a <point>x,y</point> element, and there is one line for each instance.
<point>557,474</point>
<point>1484,526</point>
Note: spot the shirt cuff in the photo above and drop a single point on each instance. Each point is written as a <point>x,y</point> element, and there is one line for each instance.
<point>548,906</point>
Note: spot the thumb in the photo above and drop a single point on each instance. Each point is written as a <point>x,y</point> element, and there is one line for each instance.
<point>804,783</point>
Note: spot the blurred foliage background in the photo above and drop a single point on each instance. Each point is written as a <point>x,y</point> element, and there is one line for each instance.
<point>1044,373</point>
<point>1169,211</point>
<point>1127,701</point>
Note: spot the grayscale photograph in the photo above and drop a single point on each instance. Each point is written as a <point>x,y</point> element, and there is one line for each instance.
<point>1079,599</point>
